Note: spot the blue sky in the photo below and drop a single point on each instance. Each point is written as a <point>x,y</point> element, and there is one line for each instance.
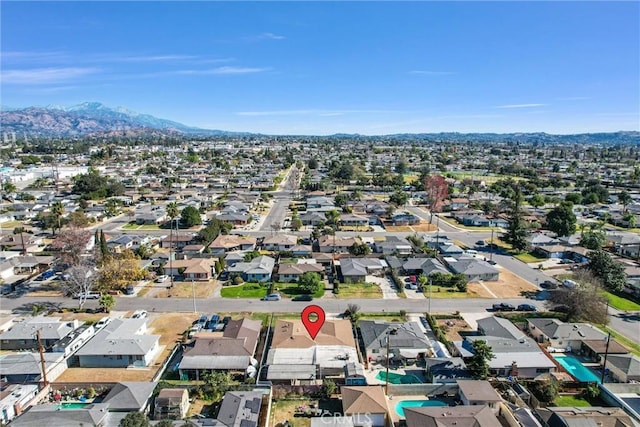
<point>326,67</point>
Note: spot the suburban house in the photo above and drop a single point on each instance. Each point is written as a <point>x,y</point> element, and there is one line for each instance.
<point>122,343</point>
<point>473,269</point>
<point>295,358</point>
<point>405,218</point>
<point>426,266</point>
<point>560,335</point>
<point>22,335</point>
<point>516,354</point>
<point>197,269</point>
<point>406,341</point>
<point>154,215</point>
<point>14,398</point>
<point>293,272</point>
<point>172,403</point>
<point>393,245</point>
<point>583,416</point>
<point>257,270</point>
<point>340,244</point>
<point>478,392</point>
<point>365,405</point>
<point>133,396</point>
<point>232,352</point>
<point>352,220</point>
<point>177,241</point>
<point>312,218</point>
<point>241,409</point>
<point>444,370</point>
<point>25,367</point>
<point>230,242</point>
<point>463,416</point>
<point>357,269</point>
<point>624,367</point>
<point>280,242</point>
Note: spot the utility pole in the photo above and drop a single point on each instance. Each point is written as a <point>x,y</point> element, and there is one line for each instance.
<point>44,366</point>
<point>386,385</point>
<point>491,246</point>
<point>606,353</point>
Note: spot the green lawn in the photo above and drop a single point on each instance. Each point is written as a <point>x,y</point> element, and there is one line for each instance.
<point>632,345</point>
<point>529,258</point>
<point>246,290</point>
<point>621,303</point>
<point>359,290</point>
<point>291,290</point>
<point>446,293</point>
<point>570,401</point>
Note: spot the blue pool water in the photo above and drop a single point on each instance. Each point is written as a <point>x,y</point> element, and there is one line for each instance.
<point>416,404</point>
<point>398,378</point>
<point>577,369</point>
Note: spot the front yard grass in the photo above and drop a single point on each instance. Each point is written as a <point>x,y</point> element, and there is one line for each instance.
<point>620,302</point>
<point>185,290</point>
<point>570,401</point>
<point>134,226</point>
<point>245,290</point>
<point>292,290</point>
<point>359,290</point>
<point>529,258</point>
<point>438,292</point>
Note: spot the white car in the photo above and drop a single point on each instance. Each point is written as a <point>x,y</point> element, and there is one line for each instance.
<point>139,314</point>
<point>103,322</point>
<point>162,279</point>
<point>88,295</point>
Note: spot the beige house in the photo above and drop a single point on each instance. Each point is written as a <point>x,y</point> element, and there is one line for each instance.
<point>171,403</point>
<point>366,405</point>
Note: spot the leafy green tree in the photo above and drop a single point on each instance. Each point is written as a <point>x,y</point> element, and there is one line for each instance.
<point>608,270</point>
<point>537,200</point>
<point>107,302</point>
<point>359,249</point>
<point>545,391</point>
<point>173,211</point>
<point>575,198</point>
<point>8,187</point>
<point>625,198</point>
<point>135,419</point>
<point>478,364</point>
<point>561,219</point>
<point>164,423</point>
<point>190,216</point>
<point>517,232</point>
<point>57,212</point>
<point>216,384</point>
<point>399,198</point>
<point>296,224</point>
<point>593,240</point>
<point>329,388</point>
<point>309,282</point>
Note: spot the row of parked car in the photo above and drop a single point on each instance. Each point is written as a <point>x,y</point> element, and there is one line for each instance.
<point>213,323</point>
<point>503,306</point>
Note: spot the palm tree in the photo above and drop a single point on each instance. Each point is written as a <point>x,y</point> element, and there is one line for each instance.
<point>172,213</point>
<point>57,212</point>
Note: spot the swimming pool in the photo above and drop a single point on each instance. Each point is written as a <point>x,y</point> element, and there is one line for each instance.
<point>577,369</point>
<point>397,378</point>
<point>73,405</point>
<point>416,404</point>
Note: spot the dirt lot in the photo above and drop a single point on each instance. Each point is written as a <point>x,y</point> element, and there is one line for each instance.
<point>451,327</point>
<point>424,226</point>
<point>509,286</point>
<point>170,328</point>
<point>182,290</point>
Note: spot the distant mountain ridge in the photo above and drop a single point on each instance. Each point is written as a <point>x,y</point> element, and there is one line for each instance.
<point>94,118</point>
<point>88,118</point>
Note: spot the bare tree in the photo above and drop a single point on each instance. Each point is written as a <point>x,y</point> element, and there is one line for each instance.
<point>81,279</point>
<point>72,243</point>
<point>437,192</point>
<point>585,302</point>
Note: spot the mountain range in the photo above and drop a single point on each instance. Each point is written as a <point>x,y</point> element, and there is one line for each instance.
<point>96,119</point>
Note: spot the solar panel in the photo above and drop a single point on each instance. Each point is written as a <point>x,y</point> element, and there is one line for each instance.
<point>248,423</point>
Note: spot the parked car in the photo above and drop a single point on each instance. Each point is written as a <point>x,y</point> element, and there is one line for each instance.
<point>211,324</point>
<point>202,320</point>
<point>226,320</point>
<point>162,279</point>
<point>481,243</point>
<point>129,290</point>
<point>526,307</point>
<point>194,330</point>
<point>103,322</point>
<point>87,295</point>
<point>272,297</point>
<point>303,297</point>
<point>503,306</point>
<point>548,284</point>
<point>139,314</point>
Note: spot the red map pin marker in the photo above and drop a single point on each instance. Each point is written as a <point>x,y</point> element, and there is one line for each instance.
<point>313,326</point>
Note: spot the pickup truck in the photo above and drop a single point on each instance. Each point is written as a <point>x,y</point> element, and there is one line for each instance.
<point>503,307</point>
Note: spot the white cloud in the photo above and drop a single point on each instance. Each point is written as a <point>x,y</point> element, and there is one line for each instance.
<point>520,106</point>
<point>271,36</point>
<point>36,76</point>
<point>223,70</point>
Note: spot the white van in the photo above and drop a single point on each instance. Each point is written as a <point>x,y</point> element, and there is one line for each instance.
<point>471,252</point>
<point>103,322</point>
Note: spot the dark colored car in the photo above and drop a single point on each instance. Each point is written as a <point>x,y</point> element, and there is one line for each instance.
<point>226,320</point>
<point>303,297</point>
<point>548,284</point>
<point>481,243</point>
<point>129,290</point>
<point>526,307</point>
<point>503,307</point>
